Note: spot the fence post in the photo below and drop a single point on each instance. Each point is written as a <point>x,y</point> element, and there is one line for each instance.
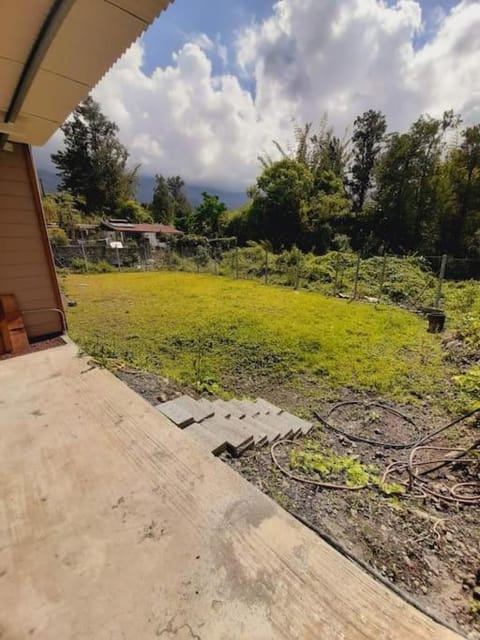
<point>266,266</point>
<point>357,273</point>
<point>236,262</point>
<point>297,272</point>
<point>383,274</point>
<point>80,242</point>
<point>441,277</point>
<point>337,273</point>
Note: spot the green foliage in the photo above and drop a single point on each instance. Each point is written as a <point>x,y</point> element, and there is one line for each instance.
<point>280,195</point>
<point>93,163</point>
<point>170,204</point>
<point>63,209</point>
<point>207,217</point>
<point>327,464</point>
<point>79,265</point>
<point>469,386</point>
<point>163,206</point>
<point>58,237</point>
<point>339,469</point>
<point>368,133</point>
<point>257,335</point>
<point>132,211</point>
<point>182,209</point>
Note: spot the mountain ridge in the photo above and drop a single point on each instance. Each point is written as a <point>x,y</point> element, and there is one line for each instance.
<point>233,199</point>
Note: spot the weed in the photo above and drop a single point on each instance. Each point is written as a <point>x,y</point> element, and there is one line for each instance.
<point>328,465</point>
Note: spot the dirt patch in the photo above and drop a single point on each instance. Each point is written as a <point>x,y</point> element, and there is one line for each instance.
<point>153,388</point>
<point>426,546</point>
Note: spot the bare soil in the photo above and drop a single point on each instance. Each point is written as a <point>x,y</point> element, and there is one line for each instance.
<point>427,547</point>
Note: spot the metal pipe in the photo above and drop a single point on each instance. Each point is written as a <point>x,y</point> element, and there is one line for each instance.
<point>60,311</point>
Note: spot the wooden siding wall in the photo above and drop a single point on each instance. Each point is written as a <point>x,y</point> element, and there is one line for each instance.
<point>26,269</point>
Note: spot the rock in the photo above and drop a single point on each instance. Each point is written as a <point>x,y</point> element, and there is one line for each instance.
<point>476,593</point>
<point>162,397</point>
<point>449,536</point>
<point>372,299</point>
<point>424,589</point>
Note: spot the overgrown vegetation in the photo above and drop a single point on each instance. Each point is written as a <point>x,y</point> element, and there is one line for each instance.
<point>225,335</point>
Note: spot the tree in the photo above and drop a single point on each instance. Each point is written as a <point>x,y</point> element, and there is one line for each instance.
<point>163,205</point>
<point>368,135</point>
<point>182,213</point>
<point>461,216</point>
<point>207,217</point>
<point>409,186</point>
<point>132,211</point>
<point>279,196</point>
<point>318,151</point>
<point>325,212</point>
<point>93,163</point>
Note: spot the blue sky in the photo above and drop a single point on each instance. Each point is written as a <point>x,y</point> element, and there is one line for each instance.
<point>211,84</point>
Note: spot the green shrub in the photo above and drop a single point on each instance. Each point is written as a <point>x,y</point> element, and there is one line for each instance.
<point>58,237</point>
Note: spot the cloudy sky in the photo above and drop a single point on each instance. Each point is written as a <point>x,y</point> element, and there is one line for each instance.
<point>212,82</point>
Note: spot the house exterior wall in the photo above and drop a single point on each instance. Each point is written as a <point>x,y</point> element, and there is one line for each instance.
<point>26,267</point>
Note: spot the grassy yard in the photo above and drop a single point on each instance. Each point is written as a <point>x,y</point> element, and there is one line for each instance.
<point>227,336</point>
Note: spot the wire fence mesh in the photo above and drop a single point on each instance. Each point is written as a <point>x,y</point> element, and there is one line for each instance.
<point>412,281</point>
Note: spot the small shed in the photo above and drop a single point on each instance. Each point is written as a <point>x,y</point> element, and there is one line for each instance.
<point>154,234</point>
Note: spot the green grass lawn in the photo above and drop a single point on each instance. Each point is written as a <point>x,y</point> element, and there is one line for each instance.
<point>221,335</point>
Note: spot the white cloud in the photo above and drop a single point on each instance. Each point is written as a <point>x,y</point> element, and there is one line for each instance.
<point>308,57</point>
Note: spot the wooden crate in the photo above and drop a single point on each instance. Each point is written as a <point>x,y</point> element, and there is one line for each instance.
<point>13,335</point>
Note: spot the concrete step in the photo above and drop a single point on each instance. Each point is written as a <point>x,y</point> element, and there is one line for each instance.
<point>237,436</point>
<point>300,425</point>
<point>233,425</point>
<point>275,421</point>
<point>176,412</point>
<point>184,410</point>
<point>267,407</point>
<point>246,406</point>
<point>227,409</point>
<point>262,433</point>
<point>206,438</point>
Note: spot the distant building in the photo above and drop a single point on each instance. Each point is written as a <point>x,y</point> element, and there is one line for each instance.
<point>154,234</point>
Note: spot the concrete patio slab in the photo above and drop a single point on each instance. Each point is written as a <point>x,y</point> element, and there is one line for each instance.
<point>114,523</point>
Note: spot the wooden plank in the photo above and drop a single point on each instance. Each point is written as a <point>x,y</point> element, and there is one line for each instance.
<point>10,256</point>
<point>12,174</point>
<point>36,287</point>
<point>21,247</point>
<point>18,231</point>
<point>14,203</point>
<point>12,188</point>
<point>24,270</point>
<point>9,159</point>
<point>17,216</point>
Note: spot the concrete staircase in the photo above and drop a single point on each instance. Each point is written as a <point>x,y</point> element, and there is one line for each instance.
<point>233,425</point>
